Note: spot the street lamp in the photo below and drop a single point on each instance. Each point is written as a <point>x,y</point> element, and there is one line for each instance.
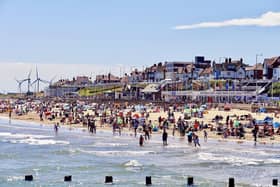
<point>257,55</point>
<point>220,59</point>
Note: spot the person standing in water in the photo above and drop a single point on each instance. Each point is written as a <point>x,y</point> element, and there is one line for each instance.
<point>141,140</point>
<point>196,140</point>
<point>255,132</point>
<point>205,135</point>
<point>56,125</point>
<point>174,130</point>
<point>10,113</point>
<point>164,137</point>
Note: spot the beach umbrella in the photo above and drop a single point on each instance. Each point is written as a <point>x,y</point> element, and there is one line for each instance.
<point>136,116</point>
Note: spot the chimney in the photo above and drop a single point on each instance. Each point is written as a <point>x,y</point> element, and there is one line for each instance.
<point>241,60</point>
<point>229,60</point>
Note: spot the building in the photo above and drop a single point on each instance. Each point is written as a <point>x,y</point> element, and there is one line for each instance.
<point>206,73</point>
<point>201,63</point>
<point>61,91</point>
<point>82,80</point>
<point>155,73</point>
<point>254,72</point>
<point>271,68</point>
<point>229,69</point>
<point>110,78</point>
<point>136,76</point>
<point>176,70</point>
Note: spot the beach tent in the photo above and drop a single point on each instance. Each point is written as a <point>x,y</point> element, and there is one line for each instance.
<point>263,110</point>
<point>268,119</point>
<point>236,123</point>
<point>187,111</point>
<point>276,125</point>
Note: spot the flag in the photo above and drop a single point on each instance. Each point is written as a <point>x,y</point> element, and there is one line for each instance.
<point>227,85</point>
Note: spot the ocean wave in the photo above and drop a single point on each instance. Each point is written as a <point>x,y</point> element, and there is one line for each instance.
<point>119,153</point>
<point>33,141</point>
<point>66,151</point>
<point>15,135</point>
<point>236,160</point>
<point>108,145</point>
<point>14,178</point>
<point>132,163</point>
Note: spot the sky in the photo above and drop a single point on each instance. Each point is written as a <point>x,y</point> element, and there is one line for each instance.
<point>66,38</point>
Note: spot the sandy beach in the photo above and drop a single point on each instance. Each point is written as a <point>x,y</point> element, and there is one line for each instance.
<point>207,118</point>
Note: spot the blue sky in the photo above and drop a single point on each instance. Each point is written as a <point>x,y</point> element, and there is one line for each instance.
<point>106,33</point>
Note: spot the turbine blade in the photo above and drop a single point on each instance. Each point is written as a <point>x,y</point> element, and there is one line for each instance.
<point>17,80</point>
<point>51,81</point>
<point>29,74</point>
<point>37,74</point>
<point>34,82</point>
<point>44,81</point>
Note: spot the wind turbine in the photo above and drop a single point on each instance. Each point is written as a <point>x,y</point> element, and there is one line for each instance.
<point>38,80</point>
<point>51,81</point>
<point>19,84</point>
<point>28,80</point>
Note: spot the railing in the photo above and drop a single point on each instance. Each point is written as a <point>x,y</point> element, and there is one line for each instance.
<point>209,93</point>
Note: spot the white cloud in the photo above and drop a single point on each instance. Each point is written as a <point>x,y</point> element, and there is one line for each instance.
<point>268,19</point>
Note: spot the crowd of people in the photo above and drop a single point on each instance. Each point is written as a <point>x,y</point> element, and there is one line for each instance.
<point>137,119</point>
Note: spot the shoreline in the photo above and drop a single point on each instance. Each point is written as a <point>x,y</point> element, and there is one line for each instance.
<point>211,134</point>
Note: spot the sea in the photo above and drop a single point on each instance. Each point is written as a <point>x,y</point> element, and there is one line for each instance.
<point>35,149</point>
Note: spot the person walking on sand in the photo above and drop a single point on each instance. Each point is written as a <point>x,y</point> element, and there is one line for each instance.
<point>164,137</point>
